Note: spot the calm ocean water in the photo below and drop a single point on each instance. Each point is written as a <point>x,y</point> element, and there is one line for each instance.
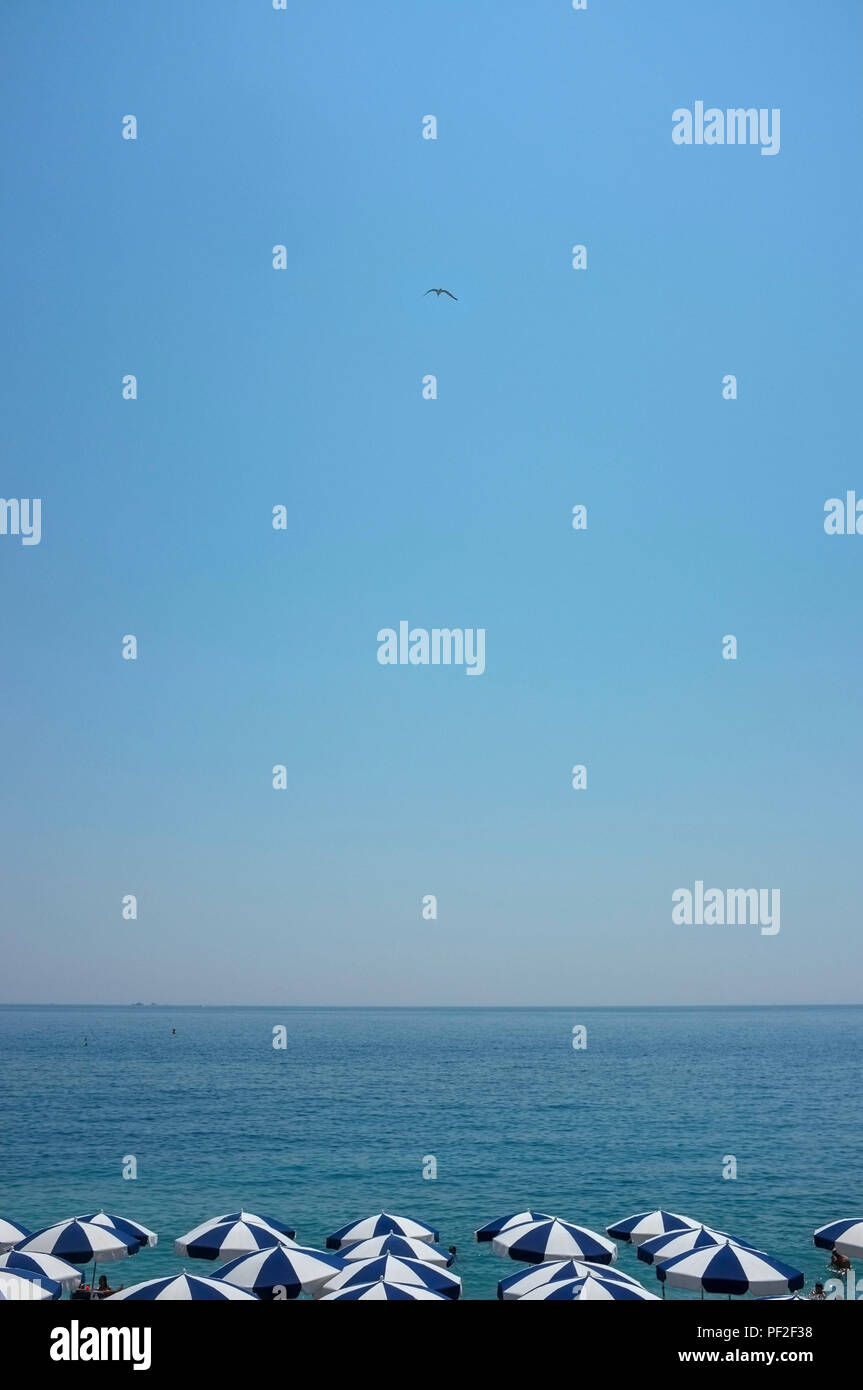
<point>337,1125</point>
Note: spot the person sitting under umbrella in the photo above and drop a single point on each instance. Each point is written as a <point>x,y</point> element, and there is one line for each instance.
<point>840,1262</point>
<point>104,1290</point>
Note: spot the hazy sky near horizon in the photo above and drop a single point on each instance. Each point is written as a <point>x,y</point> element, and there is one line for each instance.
<point>302,387</point>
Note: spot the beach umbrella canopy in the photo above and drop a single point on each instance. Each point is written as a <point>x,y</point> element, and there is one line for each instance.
<point>47,1266</point>
<point>278,1272</point>
<point>227,1237</point>
<point>183,1288</point>
<point>525,1280</point>
<point>16,1285</point>
<point>381,1225</point>
<point>79,1242</point>
<point>729,1268</point>
<point>594,1288</point>
<point>649,1224</point>
<point>121,1226</point>
<point>405,1247</point>
<point>845,1236</point>
<point>680,1243</point>
<point>11,1233</point>
<point>783,1298</point>
<point>288,1232</point>
<point>383,1290</point>
<point>503,1223</point>
<point>393,1270</point>
<point>553,1239</point>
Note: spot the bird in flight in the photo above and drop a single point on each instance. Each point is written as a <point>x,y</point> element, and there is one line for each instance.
<point>440,292</point>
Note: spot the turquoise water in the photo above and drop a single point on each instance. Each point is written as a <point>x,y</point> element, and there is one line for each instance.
<point>338,1124</point>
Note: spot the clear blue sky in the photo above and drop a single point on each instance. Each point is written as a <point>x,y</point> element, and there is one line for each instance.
<point>302,387</point>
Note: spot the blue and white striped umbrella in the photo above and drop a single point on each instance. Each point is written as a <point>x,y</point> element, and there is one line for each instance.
<point>381,1225</point>
<point>48,1266</point>
<point>286,1233</point>
<point>680,1243</point>
<point>381,1290</point>
<point>595,1288</point>
<point>121,1225</point>
<point>730,1268</point>
<point>79,1242</point>
<point>405,1247</point>
<point>11,1233</point>
<point>393,1270</point>
<point>525,1280</point>
<point>16,1285</point>
<point>553,1239</point>
<point>647,1225</point>
<point>783,1298</point>
<point>278,1273</point>
<point>845,1236</point>
<point>227,1237</point>
<point>503,1223</point>
<point>183,1288</point>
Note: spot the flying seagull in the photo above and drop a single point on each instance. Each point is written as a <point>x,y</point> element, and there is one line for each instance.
<point>440,292</point>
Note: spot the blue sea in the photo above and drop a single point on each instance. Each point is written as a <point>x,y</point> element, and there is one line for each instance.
<point>341,1122</point>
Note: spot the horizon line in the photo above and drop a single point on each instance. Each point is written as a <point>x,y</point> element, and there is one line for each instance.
<point>139,1004</point>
